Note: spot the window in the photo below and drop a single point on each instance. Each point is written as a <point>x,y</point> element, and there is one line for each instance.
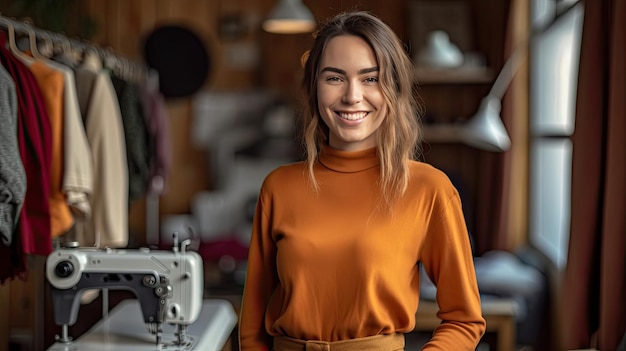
<point>554,56</point>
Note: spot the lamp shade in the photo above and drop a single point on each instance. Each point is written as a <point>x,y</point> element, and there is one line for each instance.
<point>485,129</point>
<point>290,17</point>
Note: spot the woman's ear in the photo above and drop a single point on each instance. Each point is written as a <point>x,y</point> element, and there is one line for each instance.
<point>304,58</point>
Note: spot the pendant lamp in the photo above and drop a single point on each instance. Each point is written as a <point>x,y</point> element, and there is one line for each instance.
<point>290,17</point>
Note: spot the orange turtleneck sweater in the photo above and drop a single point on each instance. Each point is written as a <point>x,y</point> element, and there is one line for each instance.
<point>331,265</point>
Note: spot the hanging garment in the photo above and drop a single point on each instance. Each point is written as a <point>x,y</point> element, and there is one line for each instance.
<point>51,85</point>
<point>136,137</point>
<point>34,144</point>
<point>12,174</point>
<point>77,182</point>
<point>108,224</point>
<point>157,124</point>
<point>69,140</point>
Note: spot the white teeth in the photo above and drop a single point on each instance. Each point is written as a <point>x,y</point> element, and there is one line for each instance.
<point>352,116</point>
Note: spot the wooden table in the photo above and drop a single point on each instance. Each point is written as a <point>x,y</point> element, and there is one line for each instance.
<point>498,313</point>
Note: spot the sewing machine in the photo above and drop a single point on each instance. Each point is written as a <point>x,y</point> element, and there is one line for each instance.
<point>168,285</point>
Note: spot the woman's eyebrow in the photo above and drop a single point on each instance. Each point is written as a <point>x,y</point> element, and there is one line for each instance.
<point>368,70</point>
<point>340,71</point>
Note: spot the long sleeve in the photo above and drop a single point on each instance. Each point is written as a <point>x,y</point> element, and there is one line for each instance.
<point>136,137</point>
<point>77,182</point>
<point>51,84</point>
<point>12,174</point>
<point>34,141</point>
<point>260,283</point>
<point>448,261</point>
<point>108,224</point>
<point>333,265</point>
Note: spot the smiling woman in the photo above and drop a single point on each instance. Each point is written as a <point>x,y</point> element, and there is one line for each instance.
<point>337,240</point>
<point>349,98</point>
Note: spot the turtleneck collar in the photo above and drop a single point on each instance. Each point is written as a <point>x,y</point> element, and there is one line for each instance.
<point>348,161</point>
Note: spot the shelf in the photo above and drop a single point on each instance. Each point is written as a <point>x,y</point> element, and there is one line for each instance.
<point>460,75</point>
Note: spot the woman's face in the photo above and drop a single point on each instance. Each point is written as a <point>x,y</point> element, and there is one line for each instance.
<point>350,100</point>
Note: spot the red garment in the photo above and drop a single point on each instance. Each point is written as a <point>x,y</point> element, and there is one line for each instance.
<point>34,139</point>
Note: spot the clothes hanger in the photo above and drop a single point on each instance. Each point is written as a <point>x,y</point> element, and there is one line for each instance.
<point>79,51</point>
<point>32,39</point>
<point>12,45</point>
<point>66,54</point>
<point>58,44</point>
<point>46,46</point>
<point>66,46</point>
<point>112,62</point>
<point>128,72</point>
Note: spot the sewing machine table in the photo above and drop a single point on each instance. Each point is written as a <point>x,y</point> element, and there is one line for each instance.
<point>124,330</point>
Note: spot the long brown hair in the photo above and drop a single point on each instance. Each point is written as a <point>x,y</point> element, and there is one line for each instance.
<point>400,134</point>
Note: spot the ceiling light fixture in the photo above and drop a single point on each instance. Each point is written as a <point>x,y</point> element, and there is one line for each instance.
<point>290,17</point>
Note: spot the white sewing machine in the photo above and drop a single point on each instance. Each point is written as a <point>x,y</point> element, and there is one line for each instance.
<point>168,286</point>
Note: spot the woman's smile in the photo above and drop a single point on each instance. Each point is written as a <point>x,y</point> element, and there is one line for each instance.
<point>352,116</point>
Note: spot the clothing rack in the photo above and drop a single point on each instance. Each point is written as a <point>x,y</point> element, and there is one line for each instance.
<point>120,65</point>
<point>38,40</point>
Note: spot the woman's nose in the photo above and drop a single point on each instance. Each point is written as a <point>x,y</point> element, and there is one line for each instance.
<point>353,93</point>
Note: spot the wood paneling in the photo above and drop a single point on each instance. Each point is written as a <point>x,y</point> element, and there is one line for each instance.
<point>123,25</point>
<point>518,107</point>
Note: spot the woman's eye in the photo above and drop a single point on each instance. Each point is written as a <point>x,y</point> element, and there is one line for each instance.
<point>333,79</point>
<point>371,80</point>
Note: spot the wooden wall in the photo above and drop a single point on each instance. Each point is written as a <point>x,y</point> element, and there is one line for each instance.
<point>124,25</point>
